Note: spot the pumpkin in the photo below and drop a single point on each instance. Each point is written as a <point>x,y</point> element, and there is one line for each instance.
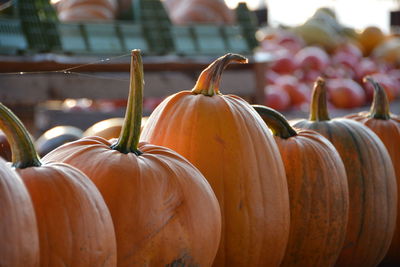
<point>56,137</point>
<point>74,224</point>
<point>183,12</point>
<point>86,10</point>
<point>18,228</point>
<point>164,211</point>
<point>107,129</point>
<point>371,181</point>
<point>387,127</point>
<point>225,138</point>
<point>318,193</point>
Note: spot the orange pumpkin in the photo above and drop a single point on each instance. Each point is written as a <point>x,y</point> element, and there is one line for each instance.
<point>371,181</point>
<point>75,226</point>
<point>86,10</point>
<point>224,137</point>
<point>319,200</point>
<point>387,127</point>
<point>184,12</point>
<point>18,228</point>
<point>107,129</point>
<point>164,211</point>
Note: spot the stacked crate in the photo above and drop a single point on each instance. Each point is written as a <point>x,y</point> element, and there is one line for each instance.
<point>33,27</point>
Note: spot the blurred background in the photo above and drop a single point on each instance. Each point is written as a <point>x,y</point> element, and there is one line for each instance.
<point>64,64</point>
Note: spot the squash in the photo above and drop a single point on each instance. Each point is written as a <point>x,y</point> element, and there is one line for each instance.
<point>74,224</point>
<point>18,228</point>
<point>86,10</point>
<point>318,193</point>
<point>387,127</point>
<point>183,12</point>
<point>56,137</point>
<point>107,129</point>
<point>164,211</point>
<point>371,181</point>
<point>225,138</point>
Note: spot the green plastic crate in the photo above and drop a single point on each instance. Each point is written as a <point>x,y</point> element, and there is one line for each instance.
<point>12,38</point>
<point>209,39</point>
<point>103,38</point>
<point>133,37</point>
<point>184,40</point>
<point>235,41</point>
<point>72,38</point>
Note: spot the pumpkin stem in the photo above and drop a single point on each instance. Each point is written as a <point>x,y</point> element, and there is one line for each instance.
<point>276,122</point>
<point>209,79</point>
<point>380,104</point>
<point>130,133</point>
<point>318,107</point>
<point>24,154</point>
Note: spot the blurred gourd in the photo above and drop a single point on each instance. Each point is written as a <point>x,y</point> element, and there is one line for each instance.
<point>86,10</point>
<point>199,11</point>
<point>56,137</point>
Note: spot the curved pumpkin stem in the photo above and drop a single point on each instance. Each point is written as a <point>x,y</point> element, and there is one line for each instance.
<point>380,104</point>
<point>276,122</point>
<point>24,154</point>
<point>318,107</point>
<point>209,79</point>
<point>130,133</point>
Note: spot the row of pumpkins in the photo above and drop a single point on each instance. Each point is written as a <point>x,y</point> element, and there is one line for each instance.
<point>205,183</point>
<point>180,12</point>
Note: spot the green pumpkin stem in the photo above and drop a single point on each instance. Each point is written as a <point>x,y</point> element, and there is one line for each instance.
<point>209,79</point>
<point>380,104</point>
<point>275,121</point>
<point>24,154</point>
<point>318,107</point>
<point>130,133</point>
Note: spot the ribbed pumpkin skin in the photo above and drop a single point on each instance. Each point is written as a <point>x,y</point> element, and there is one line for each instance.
<point>389,132</point>
<point>372,190</point>
<point>75,226</point>
<point>319,200</point>
<point>163,209</point>
<point>228,142</point>
<point>18,229</point>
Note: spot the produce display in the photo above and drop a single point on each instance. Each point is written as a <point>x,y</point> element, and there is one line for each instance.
<point>323,47</point>
<point>209,179</point>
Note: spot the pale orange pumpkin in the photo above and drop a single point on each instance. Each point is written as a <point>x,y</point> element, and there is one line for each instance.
<point>18,229</point>
<point>73,222</point>
<point>86,10</point>
<point>164,211</point>
<point>183,12</point>
<point>225,138</point>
